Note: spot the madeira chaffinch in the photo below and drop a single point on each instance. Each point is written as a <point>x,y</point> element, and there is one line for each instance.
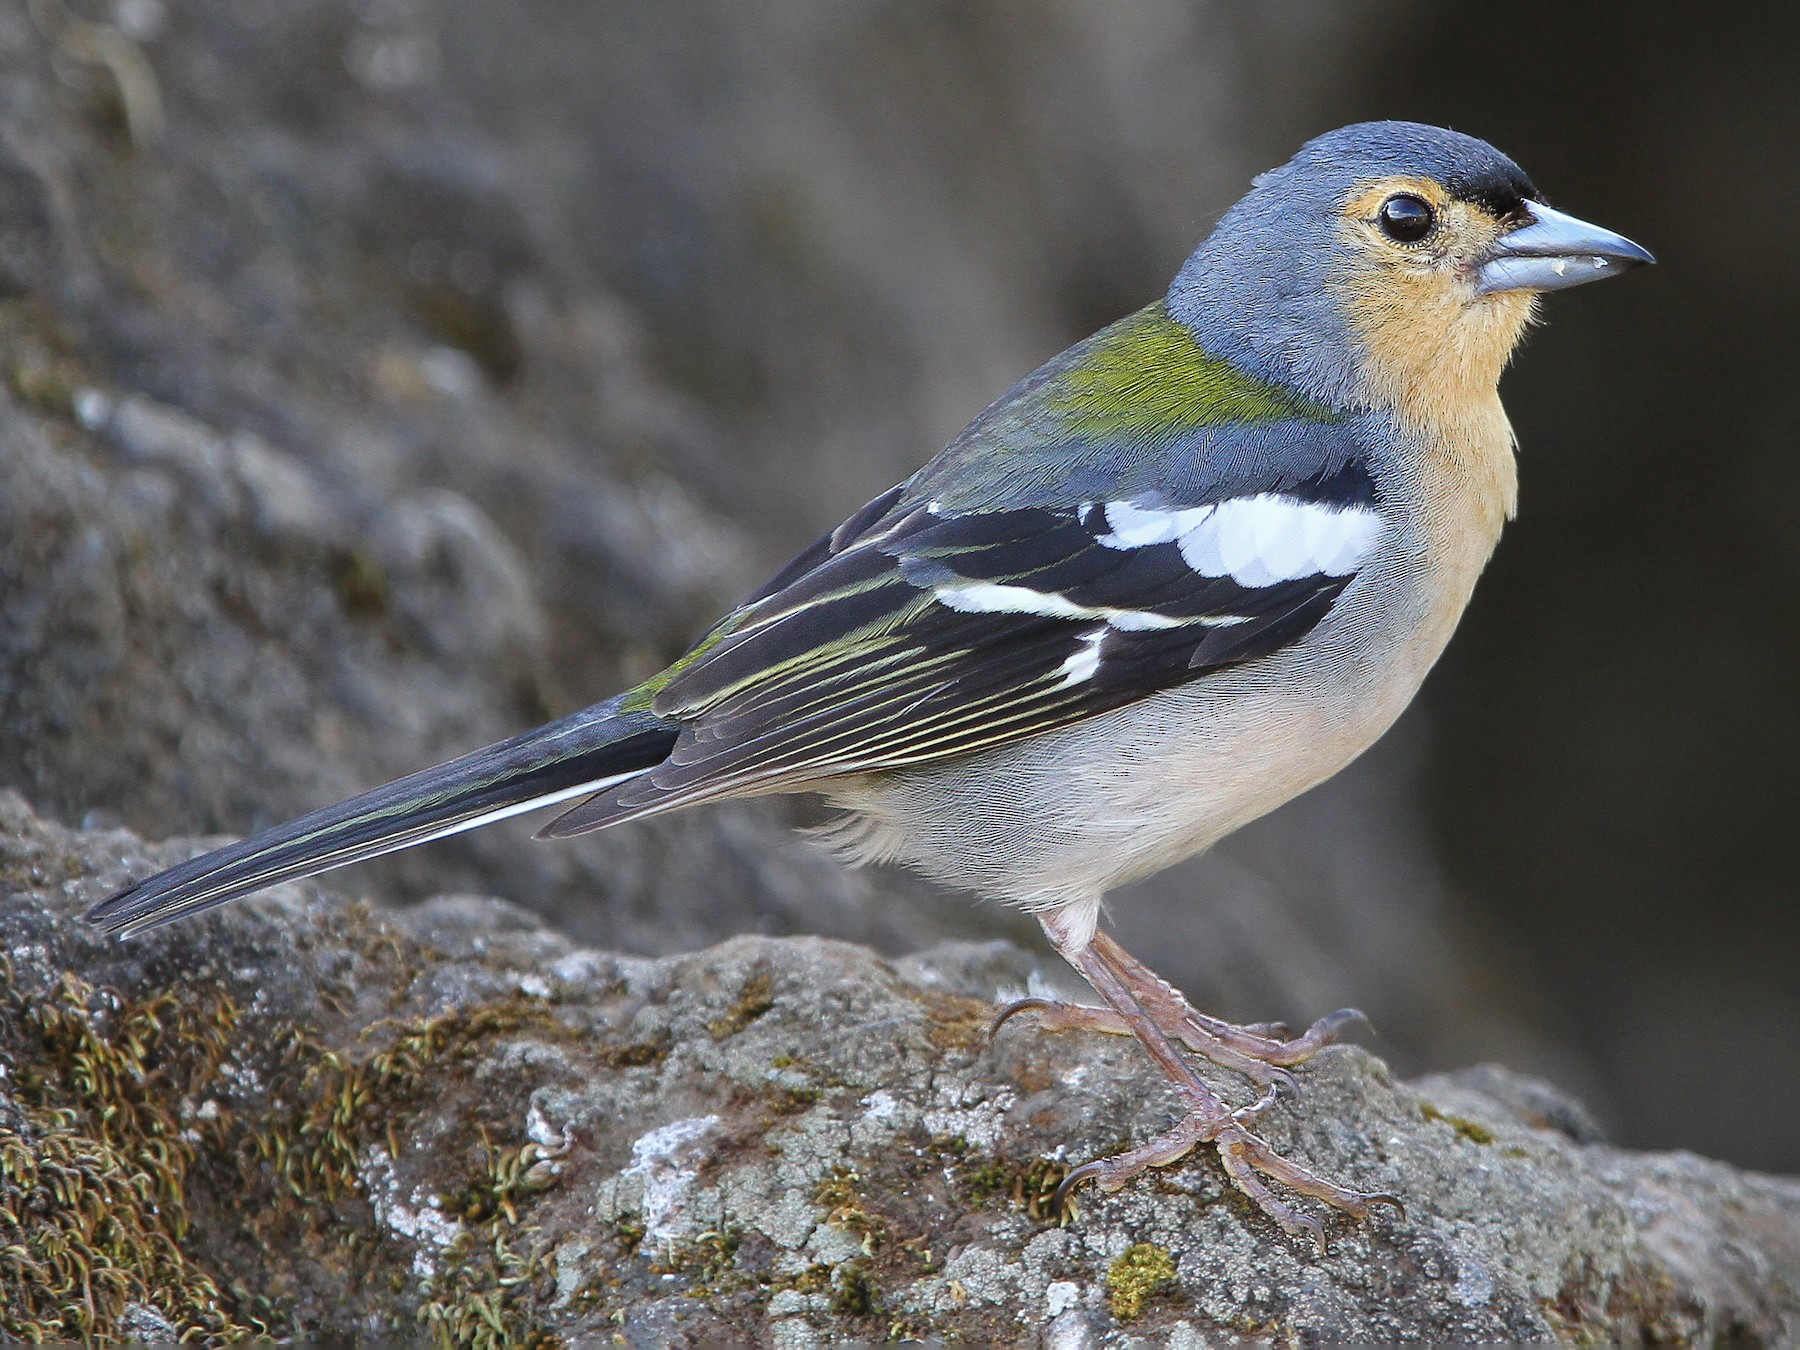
<point>1179,574</point>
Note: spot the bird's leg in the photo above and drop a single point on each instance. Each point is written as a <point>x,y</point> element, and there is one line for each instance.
<point>1261,1052</point>
<point>1054,1016</point>
<point>1265,1042</point>
<point>1206,1119</point>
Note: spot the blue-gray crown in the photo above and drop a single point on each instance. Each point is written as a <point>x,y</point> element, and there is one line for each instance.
<point>1257,290</point>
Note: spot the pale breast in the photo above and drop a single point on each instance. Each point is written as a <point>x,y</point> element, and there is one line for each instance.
<point>1071,813</point>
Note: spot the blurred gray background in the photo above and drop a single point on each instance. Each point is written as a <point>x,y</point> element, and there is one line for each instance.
<point>381,377</point>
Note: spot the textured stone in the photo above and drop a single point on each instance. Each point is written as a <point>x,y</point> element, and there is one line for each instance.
<point>451,1117</point>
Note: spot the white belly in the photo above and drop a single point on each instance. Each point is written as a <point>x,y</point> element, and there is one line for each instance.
<point>1059,819</point>
<point>1062,818</point>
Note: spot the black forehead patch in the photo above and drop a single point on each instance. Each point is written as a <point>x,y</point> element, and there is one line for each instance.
<point>1501,194</point>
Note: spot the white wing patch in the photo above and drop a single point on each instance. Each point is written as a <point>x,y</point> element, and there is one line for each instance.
<point>1086,660</point>
<point>987,597</point>
<point>1256,541</point>
<point>1138,526</point>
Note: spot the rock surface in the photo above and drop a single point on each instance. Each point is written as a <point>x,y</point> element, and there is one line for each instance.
<point>303,1118</point>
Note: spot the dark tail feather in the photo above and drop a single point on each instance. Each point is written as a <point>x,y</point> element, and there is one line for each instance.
<point>583,752</point>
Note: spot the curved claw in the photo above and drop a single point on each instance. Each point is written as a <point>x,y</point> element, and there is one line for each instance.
<point>1316,1037</point>
<point>1013,1009</point>
<point>1332,1025</point>
<point>1280,1080</point>
<point>1249,1113</point>
<point>1088,1171</point>
<point>1314,1230</point>
<point>1391,1201</point>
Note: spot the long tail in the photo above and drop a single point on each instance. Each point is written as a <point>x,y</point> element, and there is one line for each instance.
<point>581,753</point>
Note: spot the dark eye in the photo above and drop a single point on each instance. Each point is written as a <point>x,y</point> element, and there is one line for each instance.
<point>1405,218</point>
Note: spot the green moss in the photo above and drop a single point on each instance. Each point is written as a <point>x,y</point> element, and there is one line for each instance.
<point>708,1264</point>
<point>791,1101</point>
<point>1142,1272</point>
<point>629,1230</point>
<point>80,1240</point>
<point>111,1102</point>
<point>785,1097</point>
<point>954,1021</point>
<point>755,999</point>
<point>94,1160</point>
<point>477,1300</point>
<point>1473,1131</point>
<point>511,1177</point>
<point>853,1292</point>
<point>815,1279</point>
<point>342,1103</point>
<point>840,1196</point>
<point>1031,1186</point>
<point>634,1054</point>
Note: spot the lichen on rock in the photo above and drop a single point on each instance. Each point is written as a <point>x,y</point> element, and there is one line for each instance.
<point>303,1119</point>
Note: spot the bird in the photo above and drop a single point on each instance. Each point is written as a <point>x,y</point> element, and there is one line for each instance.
<point>1176,576</point>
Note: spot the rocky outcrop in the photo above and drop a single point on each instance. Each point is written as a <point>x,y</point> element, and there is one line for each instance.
<point>302,1118</point>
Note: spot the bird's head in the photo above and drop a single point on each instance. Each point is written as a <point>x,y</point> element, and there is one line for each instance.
<point>1387,264</point>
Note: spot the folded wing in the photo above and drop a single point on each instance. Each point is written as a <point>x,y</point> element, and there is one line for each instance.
<point>921,633</point>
